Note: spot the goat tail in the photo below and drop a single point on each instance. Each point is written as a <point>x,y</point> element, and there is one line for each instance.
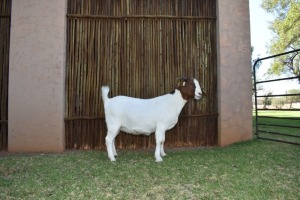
<point>105,91</point>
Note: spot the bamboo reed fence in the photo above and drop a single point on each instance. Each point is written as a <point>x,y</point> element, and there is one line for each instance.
<point>5,9</point>
<point>139,48</point>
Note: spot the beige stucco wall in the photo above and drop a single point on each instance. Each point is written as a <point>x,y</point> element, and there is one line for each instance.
<point>234,72</point>
<point>36,76</point>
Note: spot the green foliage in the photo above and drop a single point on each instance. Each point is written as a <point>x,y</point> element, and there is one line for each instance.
<point>293,99</point>
<point>287,35</point>
<point>257,65</point>
<point>278,102</point>
<point>267,100</point>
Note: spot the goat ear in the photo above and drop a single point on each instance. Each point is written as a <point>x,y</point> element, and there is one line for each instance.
<point>181,80</point>
<point>184,79</point>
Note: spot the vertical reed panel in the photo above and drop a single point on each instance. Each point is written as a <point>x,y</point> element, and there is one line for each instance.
<point>139,48</point>
<point>5,11</point>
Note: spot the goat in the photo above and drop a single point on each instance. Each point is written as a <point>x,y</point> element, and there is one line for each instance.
<point>145,116</point>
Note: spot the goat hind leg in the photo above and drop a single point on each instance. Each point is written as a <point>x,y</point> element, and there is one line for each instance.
<point>109,140</point>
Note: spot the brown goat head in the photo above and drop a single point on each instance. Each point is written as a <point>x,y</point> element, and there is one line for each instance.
<point>187,88</point>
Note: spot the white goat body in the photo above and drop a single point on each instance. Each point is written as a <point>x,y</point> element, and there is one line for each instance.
<point>143,116</point>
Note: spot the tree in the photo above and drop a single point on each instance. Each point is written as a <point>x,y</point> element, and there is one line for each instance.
<point>287,35</point>
<point>267,100</point>
<point>256,69</point>
<point>278,102</point>
<point>293,99</point>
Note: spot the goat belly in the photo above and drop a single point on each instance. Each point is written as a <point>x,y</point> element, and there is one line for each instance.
<point>172,124</point>
<point>137,130</point>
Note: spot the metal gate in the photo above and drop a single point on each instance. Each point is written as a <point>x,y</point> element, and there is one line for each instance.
<point>5,10</point>
<point>139,48</point>
<point>276,124</point>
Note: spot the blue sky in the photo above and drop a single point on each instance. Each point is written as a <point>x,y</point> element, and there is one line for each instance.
<point>260,33</point>
<point>261,36</point>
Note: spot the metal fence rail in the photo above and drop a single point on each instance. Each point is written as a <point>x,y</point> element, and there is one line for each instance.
<point>262,129</point>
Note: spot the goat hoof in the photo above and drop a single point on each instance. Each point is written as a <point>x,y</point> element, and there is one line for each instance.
<point>163,154</point>
<point>112,159</point>
<point>158,160</point>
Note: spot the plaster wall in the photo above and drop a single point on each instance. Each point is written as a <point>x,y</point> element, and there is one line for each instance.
<point>234,72</point>
<point>36,76</point>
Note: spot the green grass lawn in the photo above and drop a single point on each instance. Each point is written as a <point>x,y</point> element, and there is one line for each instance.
<point>278,113</point>
<point>249,170</point>
<point>283,121</point>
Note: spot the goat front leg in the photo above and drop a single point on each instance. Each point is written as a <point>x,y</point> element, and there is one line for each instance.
<point>162,151</point>
<point>159,136</point>
<point>114,148</point>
